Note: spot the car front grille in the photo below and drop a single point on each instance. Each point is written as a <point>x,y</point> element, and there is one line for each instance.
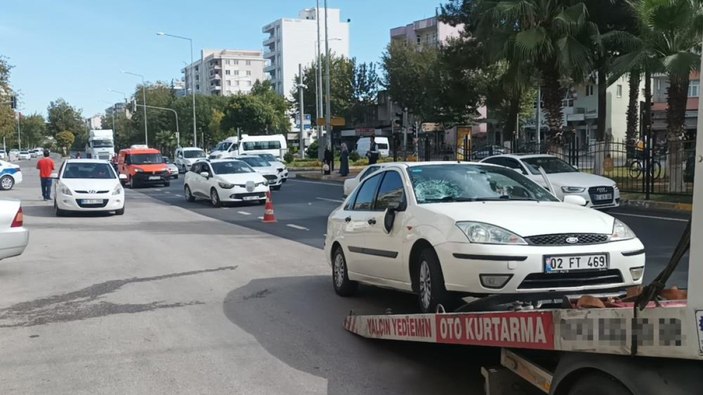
<point>594,193</point>
<point>104,156</point>
<point>271,177</point>
<point>570,280</point>
<point>560,239</point>
<point>99,205</point>
<point>92,192</point>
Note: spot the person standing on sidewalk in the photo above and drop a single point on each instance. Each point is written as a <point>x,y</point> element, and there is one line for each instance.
<point>46,167</point>
<point>344,161</point>
<point>373,153</point>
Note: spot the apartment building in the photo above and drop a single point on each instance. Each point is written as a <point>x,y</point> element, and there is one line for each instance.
<point>293,41</point>
<point>660,87</point>
<point>426,32</point>
<point>225,71</point>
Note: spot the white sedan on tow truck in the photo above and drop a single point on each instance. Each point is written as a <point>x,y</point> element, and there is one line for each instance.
<point>442,229</point>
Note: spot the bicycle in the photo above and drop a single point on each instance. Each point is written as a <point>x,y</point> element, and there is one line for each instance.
<point>636,168</point>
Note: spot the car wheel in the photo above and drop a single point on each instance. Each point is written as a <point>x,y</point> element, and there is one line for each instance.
<point>59,212</point>
<point>430,282</point>
<point>120,211</point>
<point>343,286</point>
<point>167,183</point>
<point>215,198</point>
<point>189,196</point>
<point>7,182</point>
<point>598,383</point>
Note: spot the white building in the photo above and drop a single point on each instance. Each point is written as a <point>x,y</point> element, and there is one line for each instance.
<point>293,41</point>
<point>426,32</point>
<point>225,71</point>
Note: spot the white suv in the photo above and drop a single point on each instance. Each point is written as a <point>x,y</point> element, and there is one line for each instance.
<point>186,156</point>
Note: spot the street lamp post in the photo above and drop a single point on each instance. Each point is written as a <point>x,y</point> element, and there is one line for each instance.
<point>328,109</point>
<point>178,132</point>
<point>192,80</point>
<point>300,87</point>
<point>319,84</point>
<point>146,135</point>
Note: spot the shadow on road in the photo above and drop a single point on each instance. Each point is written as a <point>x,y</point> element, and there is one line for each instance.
<point>299,321</point>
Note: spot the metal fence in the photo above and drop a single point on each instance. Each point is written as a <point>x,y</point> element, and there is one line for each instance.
<point>651,167</point>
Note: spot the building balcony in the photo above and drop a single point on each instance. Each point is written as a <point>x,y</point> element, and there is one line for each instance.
<point>270,41</point>
<point>215,88</point>
<point>269,68</point>
<point>215,77</point>
<point>269,54</point>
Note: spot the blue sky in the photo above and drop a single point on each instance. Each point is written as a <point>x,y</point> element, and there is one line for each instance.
<point>76,49</point>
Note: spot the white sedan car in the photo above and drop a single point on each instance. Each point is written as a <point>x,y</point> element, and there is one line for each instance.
<point>280,165</point>
<point>10,174</point>
<point>24,155</point>
<point>351,183</point>
<point>267,169</point>
<point>599,192</point>
<point>443,229</point>
<point>88,185</point>
<point>223,181</point>
<point>13,235</point>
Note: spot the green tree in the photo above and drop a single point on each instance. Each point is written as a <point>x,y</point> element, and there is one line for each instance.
<point>65,140</point>
<point>64,117</point>
<point>33,129</point>
<point>365,85</point>
<point>341,87</point>
<point>276,105</point>
<point>7,115</point>
<point>255,114</point>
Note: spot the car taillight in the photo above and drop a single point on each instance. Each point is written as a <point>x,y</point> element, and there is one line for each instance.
<point>19,219</point>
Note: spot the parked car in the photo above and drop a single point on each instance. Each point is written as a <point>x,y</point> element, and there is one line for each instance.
<point>599,192</point>
<point>143,166</point>
<point>267,169</point>
<point>223,181</point>
<point>186,156</point>
<point>88,185</point>
<point>281,166</point>
<point>443,229</point>
<point>14,237</point>
<point>10,174</point>
<point>14,154</point>
<point>351,183</point>
<point>484,152</point>
<point>171,167</point>
<point>3,154</point>
<point>24,155</point>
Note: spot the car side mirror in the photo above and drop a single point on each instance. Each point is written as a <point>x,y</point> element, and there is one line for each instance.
<point>122,177</point>
<point>576,200</point>
<point>205,174</point>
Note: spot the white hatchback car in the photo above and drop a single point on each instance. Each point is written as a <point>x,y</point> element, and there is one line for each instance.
<point>440,229</point>
<point>186,156</point>
<point>13,235</point>
<point>280,165</point>
<point>351,183</point>
<point>599,192</point>
<point>224,180</point>
<point>267,169</point>
<point>10,174</point>
<point>88,185</point>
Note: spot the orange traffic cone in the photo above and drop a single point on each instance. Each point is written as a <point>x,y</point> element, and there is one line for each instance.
<point>269,217</point>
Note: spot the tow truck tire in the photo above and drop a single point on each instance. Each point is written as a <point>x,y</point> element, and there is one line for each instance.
<point>343,286</point>
<point>598,384</point>
<point>430,283</point>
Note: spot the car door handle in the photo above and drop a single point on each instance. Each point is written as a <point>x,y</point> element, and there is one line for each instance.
<point>348,219</point>
<point>372,221</point>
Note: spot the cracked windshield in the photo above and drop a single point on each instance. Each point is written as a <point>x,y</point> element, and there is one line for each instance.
<point>351,197</point>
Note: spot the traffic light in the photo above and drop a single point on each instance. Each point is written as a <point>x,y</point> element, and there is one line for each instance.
<point>398,120</point>
<point>13,102</point>
<point>134,105</point>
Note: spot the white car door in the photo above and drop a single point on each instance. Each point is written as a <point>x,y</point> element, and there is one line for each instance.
<point>198,182</point>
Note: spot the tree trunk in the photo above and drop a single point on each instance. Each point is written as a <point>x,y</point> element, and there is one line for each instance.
<point>633,104</point>
<point>647,121</point>
<point>676,129</point>
<point>602,97</point>
<point>510,127</point>
<point>553,95</point>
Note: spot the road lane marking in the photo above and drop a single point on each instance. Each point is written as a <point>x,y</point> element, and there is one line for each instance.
<point>177,195</point>
<point>294,226</point>
<point>260,217</point>
<point>652,217</point>
<point>243,213</point>
<point>330,200</point>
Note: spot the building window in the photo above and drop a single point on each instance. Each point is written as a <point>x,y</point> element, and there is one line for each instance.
<point>227,72</point>
<point>618,91</point>
<point>229,82</point>
<point>248,63</point>
<point>236,61</point>
<point>197,87</point>
<point>248,72</point>
<point>236,72</point>
<point>694,88</point>
<point>589,90</point>
<point>227,61</point>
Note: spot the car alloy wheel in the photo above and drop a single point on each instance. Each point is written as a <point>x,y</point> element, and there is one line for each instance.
<point>425,284</point>
<point>214,198</point>
<point>188,194</point>
<point>7,182</point>
<point>430,283</point>
<point>340,278</point>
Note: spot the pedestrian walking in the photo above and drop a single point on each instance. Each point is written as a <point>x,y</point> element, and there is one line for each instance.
<point>327,159</point>
<point>46,167</point>
<point>372,153</point>
<point>344,161</point>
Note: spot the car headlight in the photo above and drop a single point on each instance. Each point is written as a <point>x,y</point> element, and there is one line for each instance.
<point>65,190</point>
<point>572,189</point>
<point>481,233</point>
<point>225,185</point>
<point>621,231</point>
<point>138,170</point>
<point>261,183</point>
<point>117,190</point>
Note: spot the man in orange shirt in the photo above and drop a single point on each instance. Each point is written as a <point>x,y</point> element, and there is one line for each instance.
<point>46,167</point>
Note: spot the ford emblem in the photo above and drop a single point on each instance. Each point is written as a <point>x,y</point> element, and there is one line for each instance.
<point>572,240</point>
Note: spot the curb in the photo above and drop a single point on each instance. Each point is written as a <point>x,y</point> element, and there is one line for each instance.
<point>320,177</point>
<point>654,205</point>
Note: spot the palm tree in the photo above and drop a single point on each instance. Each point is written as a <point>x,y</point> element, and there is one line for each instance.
<point>553,36</point>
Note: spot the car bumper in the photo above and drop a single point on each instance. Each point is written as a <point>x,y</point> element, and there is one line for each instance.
<point>108,202</point>
<point>237,194</point>
<point>614,202</point>
<point>18,177</point>
<point>14,241</point>
<point>468,267</point>
<point>151,179</point>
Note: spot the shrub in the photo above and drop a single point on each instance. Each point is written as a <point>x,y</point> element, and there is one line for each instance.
<point>288,157</point>
<point>353,156</point>
<point>311,152</point>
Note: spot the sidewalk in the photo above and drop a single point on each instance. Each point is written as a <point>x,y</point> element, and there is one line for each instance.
<point>627,201</point>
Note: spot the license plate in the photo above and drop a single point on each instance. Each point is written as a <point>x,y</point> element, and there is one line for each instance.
<point>570,263</point>
<point>92,201</point>
<point>250,198</point>
<point>154,177</point>
<point>605,196</point>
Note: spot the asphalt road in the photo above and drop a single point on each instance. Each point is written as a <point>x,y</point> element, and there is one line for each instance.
<point>178,297</point>
<point>302,207</point>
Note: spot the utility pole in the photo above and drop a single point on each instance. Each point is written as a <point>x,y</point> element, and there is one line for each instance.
<point>19,136</point>
<point>328,109</point>
<point>404,129</point>
<point>320,141</point>
<point>539,120</point>
<point>302,110</point>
